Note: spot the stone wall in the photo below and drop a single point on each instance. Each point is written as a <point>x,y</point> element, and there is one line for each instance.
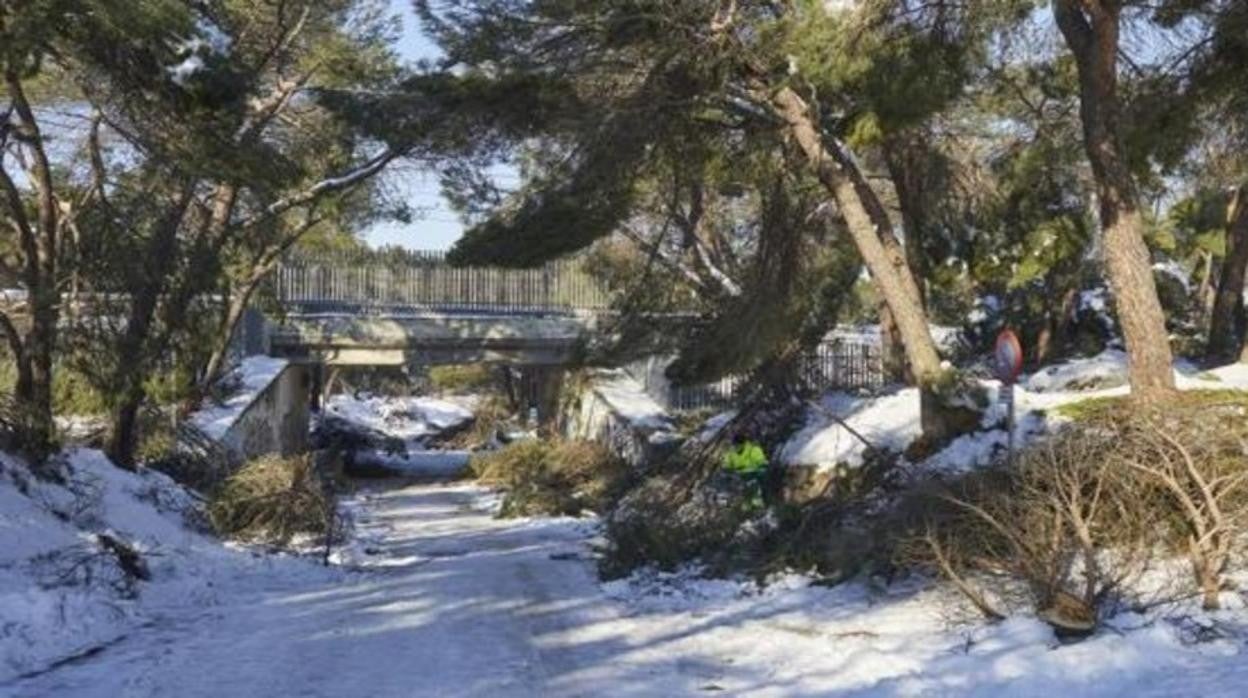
<point>611,408</point>
<point>276,421</point>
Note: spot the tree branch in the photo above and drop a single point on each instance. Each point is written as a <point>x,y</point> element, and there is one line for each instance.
<point>666,259</point>
<point>325,186</point>
<point>13,337</point>
<point>17,209</point>
<point>266,110</point>
<point>29,132</point>
<point>1074,24</point>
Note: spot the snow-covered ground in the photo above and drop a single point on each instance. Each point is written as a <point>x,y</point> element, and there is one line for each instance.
<point>61,595</point>
<point>891,421</point>
<point>449,601</point>
<point>413,421</point>
<point>436,597</point>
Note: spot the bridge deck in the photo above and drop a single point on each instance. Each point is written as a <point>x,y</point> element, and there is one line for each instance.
<point>418,336</point>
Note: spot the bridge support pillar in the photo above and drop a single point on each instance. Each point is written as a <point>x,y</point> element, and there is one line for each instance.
<point>317,391</point>
<point>549,384</point>
<point>536,389</point>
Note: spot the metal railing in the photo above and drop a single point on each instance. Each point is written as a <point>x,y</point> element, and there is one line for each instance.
<point>416,281</point>
<point>832,365</point>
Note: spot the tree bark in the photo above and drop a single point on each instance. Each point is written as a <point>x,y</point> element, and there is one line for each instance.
<point>1206,293</point>
<point>1091,30</point>
<point>1226,320</point>
<point>892,349</point>
<point>871,231</point>
<point>38,244</point>
<point>123,436</point>
<point>905,156</point>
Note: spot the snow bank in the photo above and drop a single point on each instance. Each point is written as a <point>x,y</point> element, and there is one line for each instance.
<point>1105,370</point>
<point>61,595</point>
<point>411,419</point>
<point>891,421</point>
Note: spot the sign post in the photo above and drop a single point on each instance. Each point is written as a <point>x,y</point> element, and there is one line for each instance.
<point>1008,364</point>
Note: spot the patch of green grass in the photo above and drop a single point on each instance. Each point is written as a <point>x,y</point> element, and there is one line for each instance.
<point>1097,408</point>
<point>1091,408</point>
<point>462,378</point>
<point>73,394</point>
<point>8,374</point>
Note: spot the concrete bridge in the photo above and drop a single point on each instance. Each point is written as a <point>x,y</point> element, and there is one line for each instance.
<point>432,338</point>
<point>412,308</point>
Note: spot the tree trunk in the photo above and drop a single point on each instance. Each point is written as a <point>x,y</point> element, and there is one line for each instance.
<point>1207,292</point>
<point>40,345</point>
<point>123,437</point>
<point>1053,336</point>
<point>905,156</point>
<point>128,380</point>
<point>1091,30</point>
<point>1227,317</point>
<point>944,408</point>
<point>892,349</point>
<point>871,231</point>
<point>137,346</point>
<point>37,240</point>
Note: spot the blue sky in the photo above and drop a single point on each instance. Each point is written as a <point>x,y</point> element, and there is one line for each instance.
<point>436,225</point>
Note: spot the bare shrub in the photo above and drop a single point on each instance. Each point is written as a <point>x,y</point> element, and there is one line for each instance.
<point>1081,515</point>
<point>1064,531</point>
<point>489,417</point>
<point>104,562</point>
<point>272,499</point>
<point>559,477</point>
<point>1190,458</point>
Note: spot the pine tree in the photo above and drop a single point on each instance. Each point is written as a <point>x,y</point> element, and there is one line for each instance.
<point>1092,31</point>
<point>649,74</point>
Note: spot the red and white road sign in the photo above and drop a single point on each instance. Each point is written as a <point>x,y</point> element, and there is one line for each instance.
<point>1008,357</point>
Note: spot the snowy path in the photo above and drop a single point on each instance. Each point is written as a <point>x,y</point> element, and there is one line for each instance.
<point>456,603</point>
<point>460,604</point>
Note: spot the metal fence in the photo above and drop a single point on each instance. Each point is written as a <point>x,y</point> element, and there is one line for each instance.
<point>832,365</point>
<point>425,281</point>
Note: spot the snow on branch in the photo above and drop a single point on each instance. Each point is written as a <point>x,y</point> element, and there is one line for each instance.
<point>325,186</point>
